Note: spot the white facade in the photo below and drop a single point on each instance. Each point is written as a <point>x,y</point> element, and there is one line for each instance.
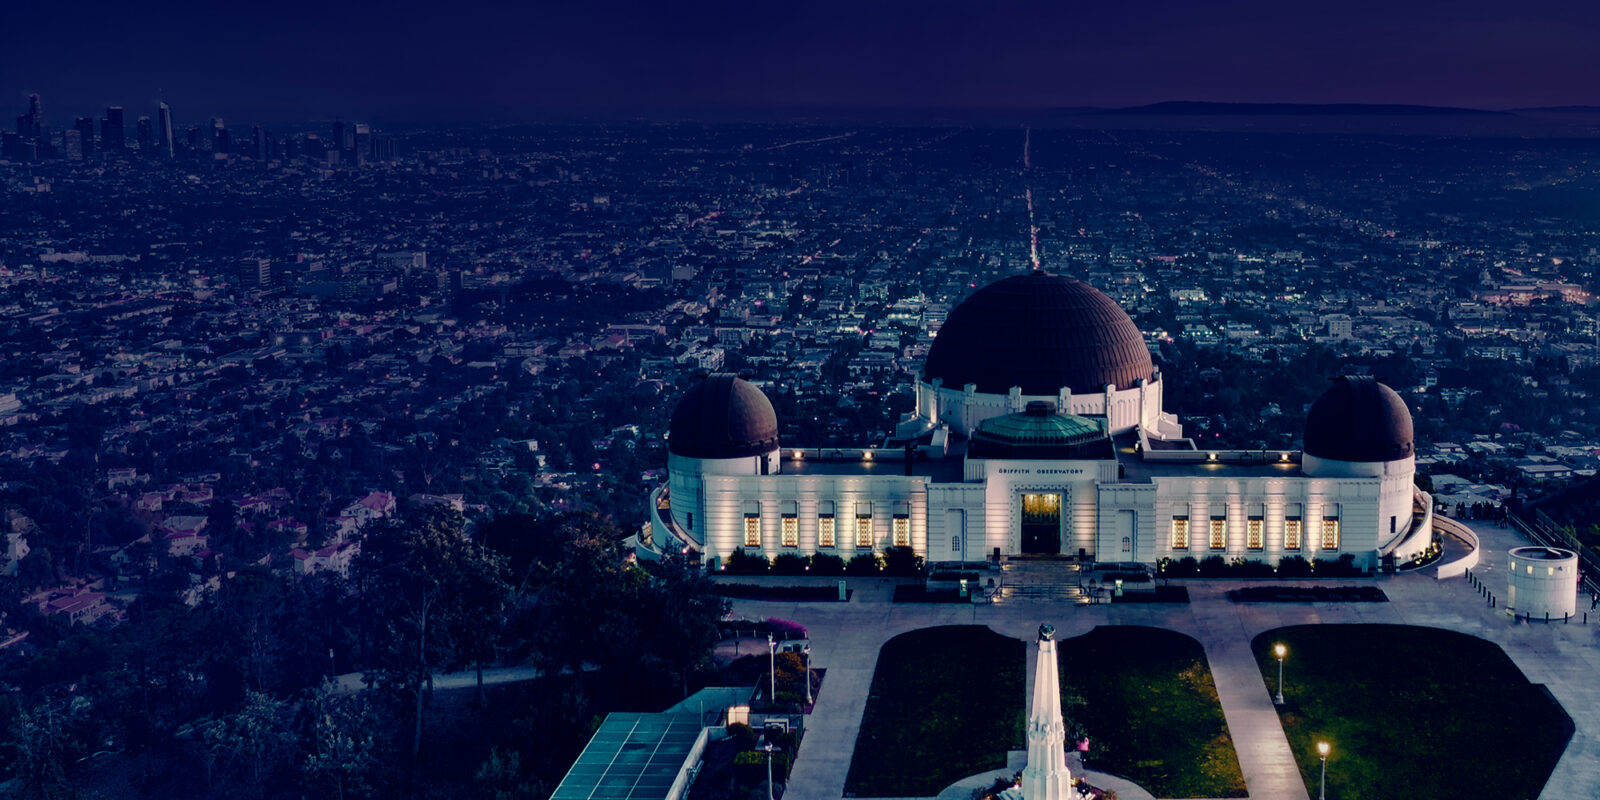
<point>1125,509</point>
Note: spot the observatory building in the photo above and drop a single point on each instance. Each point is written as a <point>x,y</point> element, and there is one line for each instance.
<point>1039,428</point>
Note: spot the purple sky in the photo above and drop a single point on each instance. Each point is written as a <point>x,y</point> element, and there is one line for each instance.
<point>403,59</point>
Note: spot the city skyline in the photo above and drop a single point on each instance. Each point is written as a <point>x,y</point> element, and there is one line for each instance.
<point>493,61</point>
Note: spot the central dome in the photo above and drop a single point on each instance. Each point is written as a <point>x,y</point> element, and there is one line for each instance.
<point>1041,332</point>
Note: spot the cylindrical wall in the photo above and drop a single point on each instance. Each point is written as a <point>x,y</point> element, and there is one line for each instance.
<point>1543,580</point>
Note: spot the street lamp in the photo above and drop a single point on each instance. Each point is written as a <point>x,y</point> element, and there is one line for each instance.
<point>768,748</point>
<point>772,668</point>
<point>807,651</point>
<point>1322,750</point>
<point>1282,651</point>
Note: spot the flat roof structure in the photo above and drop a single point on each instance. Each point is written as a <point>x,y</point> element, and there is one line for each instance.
<point>636,757</point>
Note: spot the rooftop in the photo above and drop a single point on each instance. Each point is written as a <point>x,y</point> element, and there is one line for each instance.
<point>632,757</point>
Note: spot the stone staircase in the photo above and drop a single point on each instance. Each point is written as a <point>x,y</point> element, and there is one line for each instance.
<point>1040,579</point>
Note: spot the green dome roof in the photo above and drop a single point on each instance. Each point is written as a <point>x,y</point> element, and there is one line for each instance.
<point>1040,432</point>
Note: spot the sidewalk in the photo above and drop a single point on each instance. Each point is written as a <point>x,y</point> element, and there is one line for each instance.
<point>845,639</point>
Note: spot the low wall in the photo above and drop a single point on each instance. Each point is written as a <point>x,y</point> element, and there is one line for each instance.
<point>1458,567</point>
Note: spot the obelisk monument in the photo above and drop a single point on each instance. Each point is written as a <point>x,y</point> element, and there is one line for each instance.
<point>1046,777</point>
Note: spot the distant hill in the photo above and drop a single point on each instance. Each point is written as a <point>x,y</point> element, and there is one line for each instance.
<point>1559,110</point>
<point>1190,108</point>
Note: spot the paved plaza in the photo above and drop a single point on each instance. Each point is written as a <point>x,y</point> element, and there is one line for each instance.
<point>845,638</point>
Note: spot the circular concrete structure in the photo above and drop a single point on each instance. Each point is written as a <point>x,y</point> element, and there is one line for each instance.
<point>1543,580</point>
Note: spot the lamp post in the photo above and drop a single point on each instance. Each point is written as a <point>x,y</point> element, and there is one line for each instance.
<point>772,668</point>
<point>1281,651</point>
<point>768,748</point>
<point>1322,750</point>
<point>807,651</point>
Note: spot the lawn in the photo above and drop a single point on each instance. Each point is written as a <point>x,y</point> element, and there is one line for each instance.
<point>1151,711</point>
<point>945,703</point>
<point>1413,713</point>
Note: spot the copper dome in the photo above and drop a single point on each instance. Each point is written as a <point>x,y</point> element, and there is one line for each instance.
<point>1359,419</point>
<point>723,416</point>
<point>1041,332</point>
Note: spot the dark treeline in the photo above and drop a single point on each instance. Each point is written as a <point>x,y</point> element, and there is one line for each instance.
<point>231,697</point>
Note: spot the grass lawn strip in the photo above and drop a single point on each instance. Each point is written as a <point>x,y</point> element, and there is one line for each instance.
<point>1151,710</point>
<point>1413,712</point>
<point>945,703</point>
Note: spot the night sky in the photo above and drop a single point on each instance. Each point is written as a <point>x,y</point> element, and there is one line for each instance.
<point>473,60</point>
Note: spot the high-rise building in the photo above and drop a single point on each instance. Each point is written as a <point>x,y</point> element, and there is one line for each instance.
<point>219,135</point>
<point>147,137</point>
<point>258,144</point>
<point>255,273</point>
<point>113,131</point>
<point>363,143</point>
<point>85,128</point>
<point>72,143</point>
<point>164,129</point>
<point>31,125</point>
<point>195,142</point>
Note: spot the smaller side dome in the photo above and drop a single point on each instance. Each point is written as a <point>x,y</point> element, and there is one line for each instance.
<point>723,416</point>
<point>1359,419</point>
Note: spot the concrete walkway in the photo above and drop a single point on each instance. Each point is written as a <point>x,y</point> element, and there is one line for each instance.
<point>845,639</point>
<point>1017,759</point>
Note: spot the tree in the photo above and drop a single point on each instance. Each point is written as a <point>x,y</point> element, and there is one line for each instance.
<point>345,754</point>
<point>425,586</point>
<point>41,749</point>
<point>245,748</point>
<point>679,619</point>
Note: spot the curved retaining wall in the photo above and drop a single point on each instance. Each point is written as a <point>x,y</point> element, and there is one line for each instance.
<point>1458,567</point>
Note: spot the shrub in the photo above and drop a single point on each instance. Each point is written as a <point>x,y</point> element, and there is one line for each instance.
<point>1294,567</point>
<point>742,563</point>
<point>785,628</point>
<point>1185,567</point>
<point>790,564</point>
<point>865,564</point>
<point>902,562</point>
<point>1253,568</point>
<point>827,564</point>
<point>743,735</point>
<point>1213,567</point>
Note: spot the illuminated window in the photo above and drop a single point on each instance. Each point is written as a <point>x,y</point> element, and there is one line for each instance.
<point>825,531</point>
<point>1180,533</point>
<point>791,531</point>
<point>863,531</point>
<point>1291,533</point>
<point>1330,533</point>
<point>902,532</point>
<point>752,530</point>
<point>1219,533</point>
<point>1252,533</point>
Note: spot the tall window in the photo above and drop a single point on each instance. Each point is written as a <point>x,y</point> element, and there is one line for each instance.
<point>902,531</point>
<point>1291,533</point>
<point>825,533</point>
<point>1252,533</point>
<point>1330,533</point>
<point>1219,533</point>
<point>791,531</point>
<point>863,531</point>
<point>1180,533</point>
<point>752,530</point>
